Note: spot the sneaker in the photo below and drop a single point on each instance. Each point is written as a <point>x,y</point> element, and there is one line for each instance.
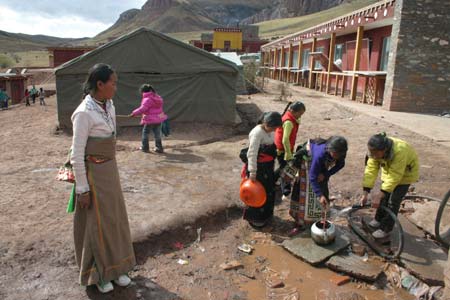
<point>380,234</point>
<point>105,288</point>
<point>374,223</point>
<point>257,224</point>
<point>158,150</point>
<point>144,150</point>
<point>285,198</point>
<point>123,280</point>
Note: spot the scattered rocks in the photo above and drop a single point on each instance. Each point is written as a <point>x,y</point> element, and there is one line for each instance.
<point>274,282</point>
<point>340,280</point>
<point>249,275</point>
<point>245,248</point>
<point>231,265</point>
<point>260,259</point>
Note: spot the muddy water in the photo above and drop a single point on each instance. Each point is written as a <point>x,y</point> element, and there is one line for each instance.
<point>310,282</point>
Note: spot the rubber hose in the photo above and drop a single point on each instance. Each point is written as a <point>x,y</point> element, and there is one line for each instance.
<point>437,232</point>
<point>360,233</point>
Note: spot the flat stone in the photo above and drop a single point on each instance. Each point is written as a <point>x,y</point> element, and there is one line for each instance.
<point>422,257</point>
<point>355,266</point>
<point>421,217</point>
<point>306,249</point>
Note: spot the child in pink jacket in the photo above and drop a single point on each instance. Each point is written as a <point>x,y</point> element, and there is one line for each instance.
<point>153,115</point>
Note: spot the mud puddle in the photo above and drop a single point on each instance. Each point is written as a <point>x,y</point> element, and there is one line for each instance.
<point>269,259</point>
<point>189,262</point>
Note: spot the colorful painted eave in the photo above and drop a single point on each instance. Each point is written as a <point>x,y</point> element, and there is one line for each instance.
<point>377,12</point>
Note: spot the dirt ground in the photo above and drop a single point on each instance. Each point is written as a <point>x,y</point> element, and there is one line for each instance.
<point>194,185</point>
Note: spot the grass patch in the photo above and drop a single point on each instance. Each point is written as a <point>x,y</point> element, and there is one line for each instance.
<point>27,59</point>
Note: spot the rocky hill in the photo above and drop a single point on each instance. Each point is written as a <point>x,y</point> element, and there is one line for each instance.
<point>171,16</point>
<point>291,8</point>
<point>177,17</point>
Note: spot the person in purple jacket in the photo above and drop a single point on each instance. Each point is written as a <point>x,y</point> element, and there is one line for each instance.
<point>316,160</point>
<point>327,158</point>
<point>153,115</point>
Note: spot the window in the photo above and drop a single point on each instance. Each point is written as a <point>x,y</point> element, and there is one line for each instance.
<point>286,59</point>
<point>317,64</point>
<point>295,59</point>
<point>385,53</point>
<point>279,58</point>
<point>227,45</point>
<point>338,52</point>
<point>305,59</point>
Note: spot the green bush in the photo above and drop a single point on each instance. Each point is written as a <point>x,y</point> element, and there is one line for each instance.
<point>5,61</point>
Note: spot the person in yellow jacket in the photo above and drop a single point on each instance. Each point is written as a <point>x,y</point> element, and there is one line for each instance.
<point>399,168</point>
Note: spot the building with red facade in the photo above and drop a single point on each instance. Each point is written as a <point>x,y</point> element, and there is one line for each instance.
<point>379,54</point>
<point>60,55</point>
<point>14,85</point>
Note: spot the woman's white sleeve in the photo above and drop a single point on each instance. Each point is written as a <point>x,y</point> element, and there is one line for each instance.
<point>253,149</point>
<point>81,128</point>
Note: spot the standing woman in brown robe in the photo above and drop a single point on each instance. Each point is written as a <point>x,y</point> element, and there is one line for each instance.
<point>103,247</point>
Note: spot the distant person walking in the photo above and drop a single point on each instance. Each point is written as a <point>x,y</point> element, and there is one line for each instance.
<point>41,96</point>
<point>27,97</point>
<point>153,115</point>
<point>4,98</point>
<point>103,248</point>
<point>33,93</point>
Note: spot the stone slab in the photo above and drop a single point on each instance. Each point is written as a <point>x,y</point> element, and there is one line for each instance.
<point>306,249</point>
<point>355,266</point>
<point>424,216</point>
<point>420,256</point>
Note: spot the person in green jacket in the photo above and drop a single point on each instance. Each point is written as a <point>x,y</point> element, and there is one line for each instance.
<point>399,168</point>
<point>285,138</point>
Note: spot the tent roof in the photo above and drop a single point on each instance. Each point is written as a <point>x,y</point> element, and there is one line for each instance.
<point>146,51</point>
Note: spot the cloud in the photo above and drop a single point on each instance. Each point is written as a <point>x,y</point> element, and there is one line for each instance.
<point>62,18</point>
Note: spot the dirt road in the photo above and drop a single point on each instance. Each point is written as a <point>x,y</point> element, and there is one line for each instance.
<point>197,178</point>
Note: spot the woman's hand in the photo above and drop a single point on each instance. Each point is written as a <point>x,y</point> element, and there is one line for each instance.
<point>130,115</point>
<point>324,202</point>
<point>84,200</point>
<point>252,176</point>
<point>364,198</point>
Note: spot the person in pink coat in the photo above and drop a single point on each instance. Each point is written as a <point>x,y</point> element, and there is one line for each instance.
<point>153,115</point>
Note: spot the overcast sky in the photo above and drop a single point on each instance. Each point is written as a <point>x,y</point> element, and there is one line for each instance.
<point>62,18</point>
